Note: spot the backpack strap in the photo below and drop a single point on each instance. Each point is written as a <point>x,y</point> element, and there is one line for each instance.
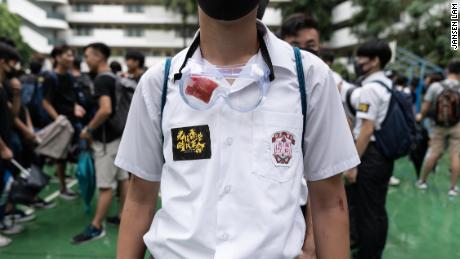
<point>303,92</point>
<point>348,100</point>
<point>383,84</point>
<point>164,92</point>
<point>165,84</point>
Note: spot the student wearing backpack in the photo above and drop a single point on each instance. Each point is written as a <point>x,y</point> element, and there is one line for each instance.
<point>231,166</point>
<point>7,53</point>
<point>444,96</point>
<point>373,174</point>
<point>105,138</point>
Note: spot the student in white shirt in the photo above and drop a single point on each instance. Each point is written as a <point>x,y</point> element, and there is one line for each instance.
<point>230,186</point>
<point>373,174</point>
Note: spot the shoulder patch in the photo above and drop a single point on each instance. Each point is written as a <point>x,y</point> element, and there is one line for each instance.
<point>363,107</point>
<point>191,143</point>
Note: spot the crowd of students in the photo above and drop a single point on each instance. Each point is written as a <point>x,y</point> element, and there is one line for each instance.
<point>35,98</point>
<point>89,102</point>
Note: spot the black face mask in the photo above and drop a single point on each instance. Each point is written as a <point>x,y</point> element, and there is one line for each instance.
<point>359,69</point>
<point>227,10</point>
<point>11,74</point>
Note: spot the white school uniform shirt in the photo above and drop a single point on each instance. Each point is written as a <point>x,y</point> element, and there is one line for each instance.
<point>243,201</point>
<point>374,100</point>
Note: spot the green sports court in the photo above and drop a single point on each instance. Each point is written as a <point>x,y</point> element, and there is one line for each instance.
<point>423,224</point>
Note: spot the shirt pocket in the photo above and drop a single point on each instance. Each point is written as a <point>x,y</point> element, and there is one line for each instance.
<point>277,145</point>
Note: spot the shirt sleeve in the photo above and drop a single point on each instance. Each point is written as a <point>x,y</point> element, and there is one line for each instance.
<point>368,106</point>
<point>431,93</point>
<point>329,146</point>
<point>103,86</point>
<point>140,151</point>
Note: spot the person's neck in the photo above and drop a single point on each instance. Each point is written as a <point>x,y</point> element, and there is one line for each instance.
<point>453,77</point>
<point>76,73</point>
<point>60,70</point>
<point>372,71</point>
<point>136,72</point>
<point>102,68</point>
<point>228,43</point>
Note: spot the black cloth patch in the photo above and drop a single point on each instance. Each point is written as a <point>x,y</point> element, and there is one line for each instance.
<point>191,143</point>
<point>363,107</point>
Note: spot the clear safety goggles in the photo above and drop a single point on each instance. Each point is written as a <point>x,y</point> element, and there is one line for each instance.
<point>242,87</point>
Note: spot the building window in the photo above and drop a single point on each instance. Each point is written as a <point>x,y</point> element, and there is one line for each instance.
<point>134,32</point>
<point>134,8</point>
<point>82,31</point>
<point>81,8</point>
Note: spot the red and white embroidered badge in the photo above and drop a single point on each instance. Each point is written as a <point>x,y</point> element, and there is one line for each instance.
<point>282,147</point>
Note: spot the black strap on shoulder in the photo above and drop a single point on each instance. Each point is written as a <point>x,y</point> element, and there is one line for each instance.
<point>303,91</point>
<point>190,52</point>
<point>348,100</point>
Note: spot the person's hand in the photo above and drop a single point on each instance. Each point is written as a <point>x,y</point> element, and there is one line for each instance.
<point>85,135</point>
<point>351,175</point>
<point>15,86</point>
<point>418,117</point>
<point>6,154</point>
<point>31,137</point>
<point>309,249</point>
<point>79,111</point>
<point>307,255</point>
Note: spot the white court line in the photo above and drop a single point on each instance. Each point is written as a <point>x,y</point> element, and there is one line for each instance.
<point>55,194</point>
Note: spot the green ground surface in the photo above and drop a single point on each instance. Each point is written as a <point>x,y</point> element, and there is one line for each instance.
<point>423,225</point>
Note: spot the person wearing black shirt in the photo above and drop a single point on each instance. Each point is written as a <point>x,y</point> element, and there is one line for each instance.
<point>105,140</point>
<point>61,99</point>
<point>7,55</point>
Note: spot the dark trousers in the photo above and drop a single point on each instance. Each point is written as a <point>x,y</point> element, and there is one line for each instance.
<point>369,198</point>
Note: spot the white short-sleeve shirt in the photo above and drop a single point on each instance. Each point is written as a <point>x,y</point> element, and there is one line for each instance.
<point>235,196</point>
<point>374,100</point>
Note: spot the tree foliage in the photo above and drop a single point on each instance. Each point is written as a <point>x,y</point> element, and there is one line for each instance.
<point>426,32</point>
<point>9,28</point>
<point>185,8</point>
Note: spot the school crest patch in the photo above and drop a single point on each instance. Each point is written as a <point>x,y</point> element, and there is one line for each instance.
<point>283,143</point>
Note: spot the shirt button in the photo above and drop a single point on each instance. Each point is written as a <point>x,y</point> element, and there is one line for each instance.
<point>229,141</point>
<point>227,189</point>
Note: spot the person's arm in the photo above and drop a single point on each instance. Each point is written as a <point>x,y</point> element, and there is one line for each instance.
<point>24,129</point>
<point>425,108</point>
<point>102,114</point>
<point>49,109</point>
<point>15,86</point>
<point>5,151</point>
<point>365,134</point>
<point>136,218</point>
<point>330,218</point>
<point>309,248</point>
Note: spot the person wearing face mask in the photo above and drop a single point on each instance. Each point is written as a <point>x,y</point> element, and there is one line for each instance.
<point>373,175</point>
<point>233,134</point>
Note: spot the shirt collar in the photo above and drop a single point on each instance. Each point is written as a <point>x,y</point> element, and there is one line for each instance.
<point>281,53</point>
<point>379,75</point>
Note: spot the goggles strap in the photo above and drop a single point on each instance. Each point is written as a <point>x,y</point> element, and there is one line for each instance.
<point>263,51</point>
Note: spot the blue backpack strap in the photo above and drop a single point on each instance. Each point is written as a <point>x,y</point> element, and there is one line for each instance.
<point>165,84</point>
<point>383,84</point>
<point>303,91</point>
